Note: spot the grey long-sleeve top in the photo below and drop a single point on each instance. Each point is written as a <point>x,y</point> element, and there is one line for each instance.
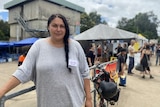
<point>55,85</point>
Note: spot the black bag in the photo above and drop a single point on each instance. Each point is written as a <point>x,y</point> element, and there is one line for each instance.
<point>116,97</point>
<point>139,67</point>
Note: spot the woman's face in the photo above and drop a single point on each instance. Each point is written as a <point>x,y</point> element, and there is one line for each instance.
<point>57,29</point>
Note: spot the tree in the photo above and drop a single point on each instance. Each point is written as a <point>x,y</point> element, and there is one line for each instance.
<point>4,30</point>
<point>89,21</point>
<point>86,22</point>
<point>96,18</point>
<point>144,23</point>
<point>122,23</point>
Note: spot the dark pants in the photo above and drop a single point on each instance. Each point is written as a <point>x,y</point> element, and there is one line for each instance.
<point>157,58</point>
<point>131,64</point>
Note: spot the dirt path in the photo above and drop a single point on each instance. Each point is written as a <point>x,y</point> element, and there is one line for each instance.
<point>26,100</point>
<point>142,92</point>
<point>138,93</point>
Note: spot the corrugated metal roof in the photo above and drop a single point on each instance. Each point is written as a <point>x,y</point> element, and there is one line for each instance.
<point>64,3</point>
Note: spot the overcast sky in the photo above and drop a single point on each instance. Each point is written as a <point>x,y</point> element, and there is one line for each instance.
<point>114,10</point>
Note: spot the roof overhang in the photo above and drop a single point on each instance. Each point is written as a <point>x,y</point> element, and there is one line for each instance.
<point>15,3</point>
<point>64,3</point>
<point>68,5</point>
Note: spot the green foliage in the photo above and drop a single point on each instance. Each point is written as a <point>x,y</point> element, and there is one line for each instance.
<point>90,20</point>
<point>95,18</point>
<point>86,22</point>
<point>144,23</point>
<point>4,30</point>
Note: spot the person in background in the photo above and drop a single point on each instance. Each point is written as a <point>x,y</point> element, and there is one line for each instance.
<point>105,51</point>
<point>158,54</point>
<point>121,64</point>
<point>58,67</point>
<point>99,52</point>
<point>21,58</point>
<point>118,48</point>
<point>131,57</point>
<point>126,56</point>
<point>143,47</point>
<point>91,55</point>
<point>121,61</point>
<point>144,59</point>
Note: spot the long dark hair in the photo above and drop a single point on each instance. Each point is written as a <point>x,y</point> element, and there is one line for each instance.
<point>65,39</point>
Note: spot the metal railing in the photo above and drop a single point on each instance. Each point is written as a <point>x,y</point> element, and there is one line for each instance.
<point>24,25</point>
<point>7,97</point>
<point>94,70</point>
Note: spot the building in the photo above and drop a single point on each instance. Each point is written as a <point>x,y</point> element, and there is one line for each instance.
<point>28,18</point>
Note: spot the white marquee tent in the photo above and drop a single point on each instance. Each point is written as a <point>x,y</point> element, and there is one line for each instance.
<point>104,32</point>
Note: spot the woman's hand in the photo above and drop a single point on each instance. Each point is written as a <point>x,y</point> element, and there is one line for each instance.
<point>88,103</point>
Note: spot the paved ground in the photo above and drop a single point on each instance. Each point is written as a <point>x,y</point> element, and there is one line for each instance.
<point>138,93</point>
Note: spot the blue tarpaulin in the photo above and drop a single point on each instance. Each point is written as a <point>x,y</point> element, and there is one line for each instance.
<point>6,44</point>
<point>24,42</point>
<point>27,41</point>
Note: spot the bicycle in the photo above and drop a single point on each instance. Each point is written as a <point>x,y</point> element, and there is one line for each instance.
<point>105,86</point>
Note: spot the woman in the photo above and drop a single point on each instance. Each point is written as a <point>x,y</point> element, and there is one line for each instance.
<point>131,54</point>
<point>91,55</point>
<point>58,67</point>
<point>145,57</point>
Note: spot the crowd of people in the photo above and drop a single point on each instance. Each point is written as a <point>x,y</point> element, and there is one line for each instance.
<point>125,51</point>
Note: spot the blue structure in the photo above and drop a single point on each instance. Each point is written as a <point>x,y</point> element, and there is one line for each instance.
<point>24,42</point>
<point>5,48</point>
